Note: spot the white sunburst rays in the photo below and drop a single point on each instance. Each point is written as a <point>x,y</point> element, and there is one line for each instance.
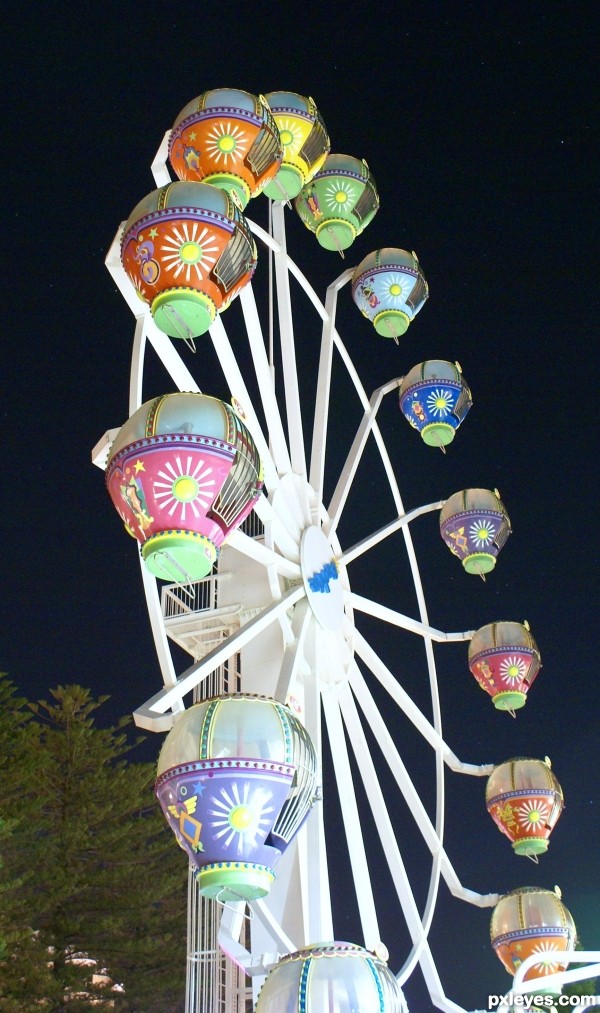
<point>533,813</point>
<point>396,289</point>
<point>512,669</point>
<point>185,485</point>
<point>291,136</point>
<point>244,813</point>
<point>440,402</point>
<point>548,963</point>
<point>191,248</point>
<point>340,195</point>
<point>482,532</point>
<point>227,142</point>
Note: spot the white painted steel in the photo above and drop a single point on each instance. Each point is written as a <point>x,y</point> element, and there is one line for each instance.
<point>388,615</point>
<point>284,650</point>
<point>352,823</point>
<point>535,986</point>
<point>288,351</point>
<point>264,376</point>
<point>319,439</point>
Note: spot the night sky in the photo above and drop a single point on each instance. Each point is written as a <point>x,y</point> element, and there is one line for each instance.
<point>476,121</point>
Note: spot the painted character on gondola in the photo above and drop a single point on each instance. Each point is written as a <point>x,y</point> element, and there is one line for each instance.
<point>418,410</point>
<point>191,157</point>
<point>143,256</point>
<point>368,293</point>
<point>485,672</point>
<point>133,494</point>
<point>313,205</point>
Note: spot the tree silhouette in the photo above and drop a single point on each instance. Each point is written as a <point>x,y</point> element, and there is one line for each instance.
<point>90,878</point>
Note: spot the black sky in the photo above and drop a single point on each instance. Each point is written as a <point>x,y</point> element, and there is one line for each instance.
<point>478,123</point>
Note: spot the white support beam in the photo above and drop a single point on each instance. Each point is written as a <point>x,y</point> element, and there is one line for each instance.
<point>314,878</point>
<point>162,344</point>
<point>238,389</point>
<point>388,615</point>
<point>161,641</point>
<point>288,352</point>
<point>321,416</point>
<point>268,557</point>
<point>159,167</point>
<point>264,376</point>
<point>282,941</point>
<point>242,957</point>
<point>378,536</point>
<point>136,374</point>
<point>352,825</point>
<point>167,352</point>
<point>101,451</point>
<point>404,782</point>
<point>366,404</point>
<point>312,846</point>
<point>406,704</point>
<point>384,827</point>
<point>152,715</point>
<point>546,982</point>
<point>293,654</point>
<point>421,951</point>
<point>342,489</point>
<point>233,915</point>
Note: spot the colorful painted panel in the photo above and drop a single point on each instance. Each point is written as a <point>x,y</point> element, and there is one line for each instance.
<point>222,813</point>
<point>547,941</point>
<point>188,250</point>
<point>304,140</point>
<point>472,532</point>
<point>339,202</point>
<point>389,289</point>
<point>526,817</point>
<point>169,482</point>
<point>163,489</point>
<point>431,401</point>
<point>505,668</point>
<point>175,247</point>
<point>227,138</point>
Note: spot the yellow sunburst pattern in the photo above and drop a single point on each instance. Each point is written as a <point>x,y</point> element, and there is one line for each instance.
<point>189,251</point>
<point>227,143</point>
<point>241,815</point>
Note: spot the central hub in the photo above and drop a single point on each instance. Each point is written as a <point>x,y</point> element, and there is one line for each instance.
<point>322,581</point>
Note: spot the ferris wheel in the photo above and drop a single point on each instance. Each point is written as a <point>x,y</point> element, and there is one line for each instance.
<point>282,616</point>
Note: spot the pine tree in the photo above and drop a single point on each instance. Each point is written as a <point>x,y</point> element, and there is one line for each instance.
<point>99,876</point>
<point>24,966</point>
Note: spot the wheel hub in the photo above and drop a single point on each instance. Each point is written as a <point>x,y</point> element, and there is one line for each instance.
<point>321,578</point>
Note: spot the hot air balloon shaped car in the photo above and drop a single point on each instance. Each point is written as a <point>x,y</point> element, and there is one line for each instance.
<point>237,776</point>
<point>524,799</point>
<point>339,202</point>
<point>531,921</point>
<point>331,976</point>
<point>188,251</point>
<point>434,399</point>
<point>183,473</point>
<point>474,525</point>
<point>229,138</point>
<point>304,140</point>
<point>505,659</point>
<point>389,288</point>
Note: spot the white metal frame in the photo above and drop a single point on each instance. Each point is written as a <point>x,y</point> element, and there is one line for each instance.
<point>295,499</point>
<point>541,984</point>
